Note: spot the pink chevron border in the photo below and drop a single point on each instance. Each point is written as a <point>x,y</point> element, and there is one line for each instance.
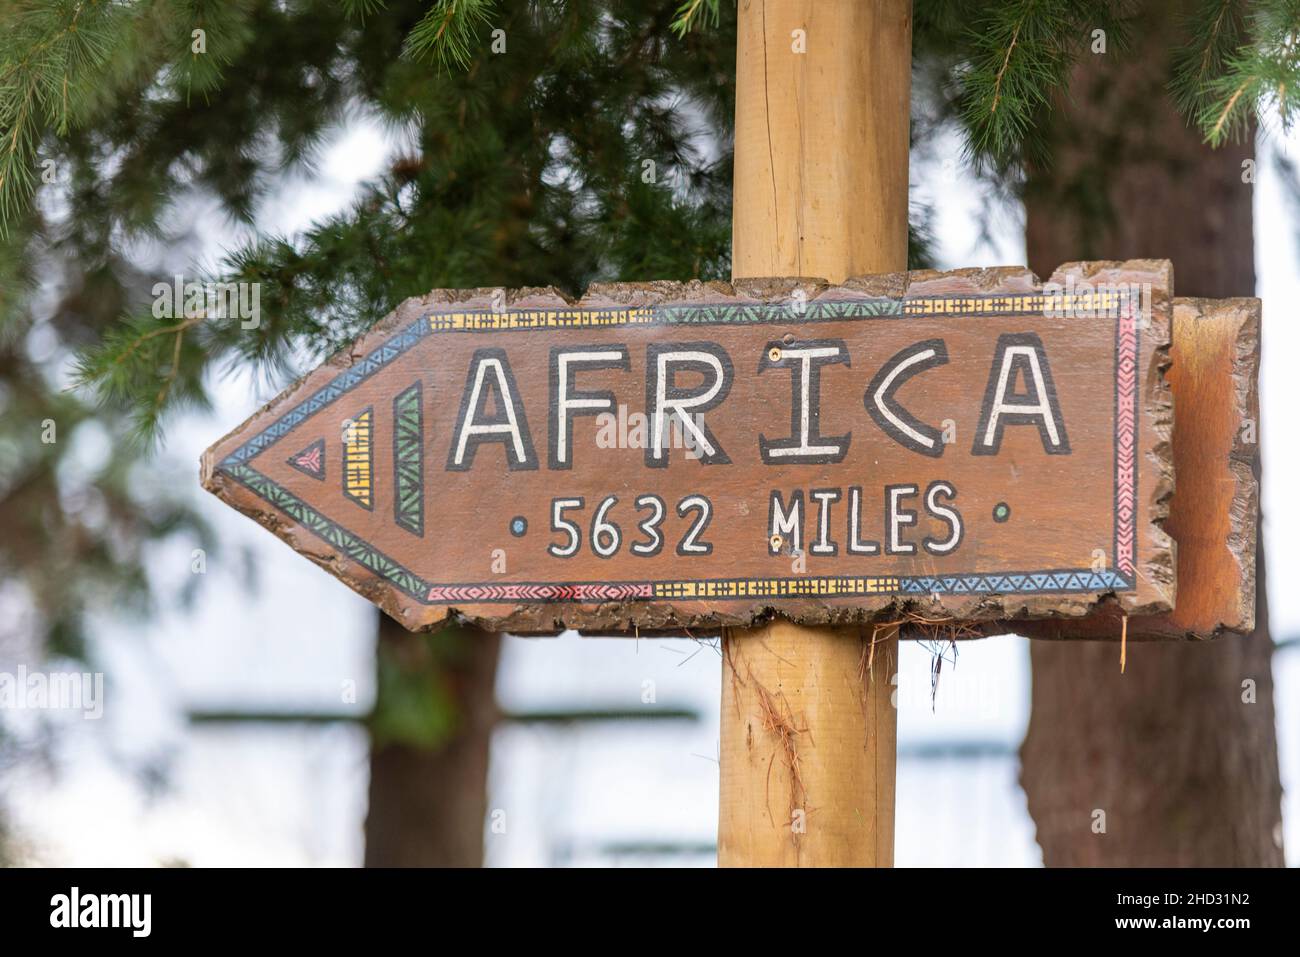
<point>588,591</point>
<point>1126,388</point>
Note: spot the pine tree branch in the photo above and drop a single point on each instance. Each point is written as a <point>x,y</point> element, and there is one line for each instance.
<point>696,13</point>
<point>1216,133</point>
<point>1013,60</point>
<point>1002,71</point>
<point>1213,33</point>
<point>1257,77</point>
<point>446,33</point>
<point>48,53</point>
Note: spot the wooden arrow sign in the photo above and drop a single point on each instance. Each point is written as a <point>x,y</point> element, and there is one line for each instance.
<point>968,445</point>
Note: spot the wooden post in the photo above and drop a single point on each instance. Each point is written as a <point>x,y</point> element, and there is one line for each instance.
<point>808,725</point>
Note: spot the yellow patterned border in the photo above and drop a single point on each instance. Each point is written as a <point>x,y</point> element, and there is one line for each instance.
<point>538,319</point>
<point>778,587</point>
<point>1020,303</point>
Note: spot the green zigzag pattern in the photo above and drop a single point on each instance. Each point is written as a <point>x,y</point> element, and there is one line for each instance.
<point>361,552</point>
<point>769,312</point>
<point>408,460</point>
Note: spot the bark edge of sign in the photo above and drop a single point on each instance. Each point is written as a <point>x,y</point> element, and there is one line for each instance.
<point>1154,412</point>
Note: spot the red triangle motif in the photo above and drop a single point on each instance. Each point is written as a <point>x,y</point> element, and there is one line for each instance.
<point>311,460</point>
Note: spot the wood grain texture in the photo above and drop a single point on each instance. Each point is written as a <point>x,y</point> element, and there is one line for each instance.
<point>808,739</point>
<point>359,466</point>
<point>820,178</point>
<point>1214,511</point>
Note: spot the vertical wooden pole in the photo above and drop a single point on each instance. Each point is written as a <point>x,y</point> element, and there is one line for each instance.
<point>808,725</point>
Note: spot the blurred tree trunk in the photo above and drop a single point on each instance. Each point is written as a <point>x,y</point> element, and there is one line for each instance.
<point>1185,771</point>
<point>435,710</point>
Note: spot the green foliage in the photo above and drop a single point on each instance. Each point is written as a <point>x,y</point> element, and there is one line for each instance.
<point>1019,55</point>
<point>209,35</point>
<point>1232,62</point>
<point>447,34</point>
<point>529,169</point>
<point>695,13</point>
<point>1215,30</point>
<point>64,60</point>
<point>49,55</point>
<point>361,8</point>
<point>1257,78</point>
<point>76,522</point>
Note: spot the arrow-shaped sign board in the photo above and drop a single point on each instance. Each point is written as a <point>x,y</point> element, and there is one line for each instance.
<point>966,445</point>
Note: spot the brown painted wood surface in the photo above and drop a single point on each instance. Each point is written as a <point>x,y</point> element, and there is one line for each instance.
<point>1213,514</point>
<point>286,466</point>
